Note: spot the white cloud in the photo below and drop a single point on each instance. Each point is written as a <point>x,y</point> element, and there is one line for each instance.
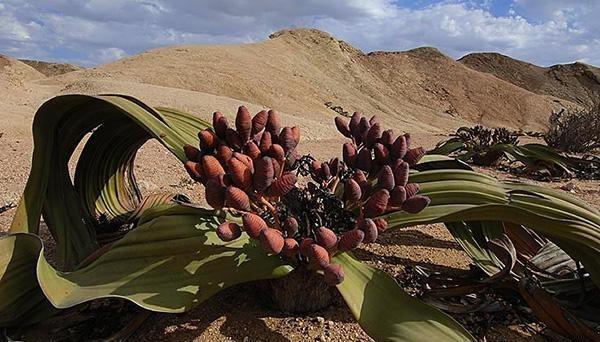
<point>97,31</point>
<point>110,54</point>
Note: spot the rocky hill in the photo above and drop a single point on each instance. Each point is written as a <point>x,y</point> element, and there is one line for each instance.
<point>299,70</point>
<point>576,82</point>
<point>51,69</point>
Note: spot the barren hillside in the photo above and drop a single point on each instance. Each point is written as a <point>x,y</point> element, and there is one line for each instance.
<point>14,74</point>
<point>298,71</point>
<point>576,82</point>
<point>51,69</point>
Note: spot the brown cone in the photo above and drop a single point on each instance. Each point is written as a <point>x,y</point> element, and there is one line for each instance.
<point>271,240</point>
<point>363,160</point>
<point>334,274</point>
<point>373,135</point>
<point>191,153</point>
<point>304,246</point>
<point>265,142</point>
<point>401,172</point>
<point>349,154</point>
<point>354,123</point>
<point>342,126</point>
<point>253,224</point>
<point>377,203</point>
<point>233,139</point>
<point>211,166</point>
<point>244,159</point>
<point>243,123</point>
<point>359,176</point>
<point>282,185</point>
<point>318,257</point>
<point>350,240</point>
<point>290,225</point>
<point>335,166</point>
<point>228,231</point>
<point>286,139</point>
<point>413,155</point>
<point>399,148</point>
<point>370,230</point>
<point>236,198</point>
<point>264,174</point>
<point>296,135</point>
<point>363,129</point>
<point>251,150</point>
<point>273,125</point>
<point>352,191</point>
<point>220,124</point>
<point>385,180</point>
<point>277,152</point>
<point>194,170</point>
<point>407,138</point>
<point>208,140</point>
<point>365,186</point>
<point>214,193</point>
<point>381,224</point>
<point>388,137</point>
<point>292,156</point>
<point>276,167</point>
<point>325,171</point>
<point>411,189</point>
<point>259,121</point>
<point>241,176</point>
<point>223,154</point>
<point>415,204</point>
<point>326,238</point>
<point>382,155</point>
<point>290,247</point>
<point>397,196</point>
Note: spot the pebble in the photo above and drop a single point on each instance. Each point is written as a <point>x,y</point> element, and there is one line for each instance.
<point>569,187</point>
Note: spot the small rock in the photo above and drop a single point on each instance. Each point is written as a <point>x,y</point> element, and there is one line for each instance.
<point>246,339</point>
<point>569,187</point>
<point>321,320</point>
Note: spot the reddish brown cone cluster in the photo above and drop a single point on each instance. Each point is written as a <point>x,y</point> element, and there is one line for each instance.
<point>382,158</point>
<point>245,164</point>
<point>251,169</point>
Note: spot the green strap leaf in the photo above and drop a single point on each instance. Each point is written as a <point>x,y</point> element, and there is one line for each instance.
<point>168,264</point>
<point>387,313</point>
<point>459,195</point>
<point>104,182</point>
<point>22,301</point>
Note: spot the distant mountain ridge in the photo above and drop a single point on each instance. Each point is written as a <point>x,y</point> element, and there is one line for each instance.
<point>576,82</point>
<point>50,69</point>
<point>299,70</point>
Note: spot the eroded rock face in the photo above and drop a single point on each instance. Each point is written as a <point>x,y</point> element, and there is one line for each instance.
<point>576,82</point>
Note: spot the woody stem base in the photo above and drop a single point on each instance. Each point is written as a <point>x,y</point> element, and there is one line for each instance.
<point>301,291</point>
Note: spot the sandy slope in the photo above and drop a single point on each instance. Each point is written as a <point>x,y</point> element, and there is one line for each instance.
<point>298,71</point>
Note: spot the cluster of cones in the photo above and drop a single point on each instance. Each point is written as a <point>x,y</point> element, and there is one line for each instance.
<point>249,170</point>
<point>245,164</point>
<point>381,158</point>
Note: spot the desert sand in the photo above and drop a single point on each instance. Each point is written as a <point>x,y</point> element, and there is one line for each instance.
<point>420,91</point>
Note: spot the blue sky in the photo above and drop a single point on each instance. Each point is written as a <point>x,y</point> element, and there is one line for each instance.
<point>92,32</point>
